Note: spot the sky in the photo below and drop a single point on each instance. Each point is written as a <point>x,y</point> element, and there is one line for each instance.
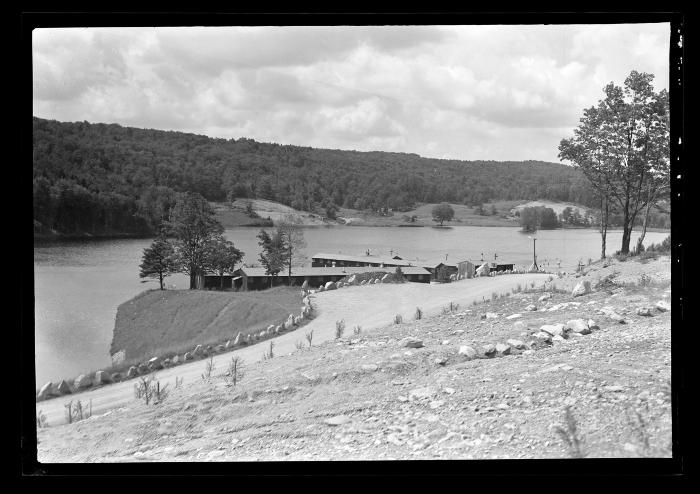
<point>455,92</point>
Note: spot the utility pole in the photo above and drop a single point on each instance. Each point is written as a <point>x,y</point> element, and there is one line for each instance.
<point>534,254</point>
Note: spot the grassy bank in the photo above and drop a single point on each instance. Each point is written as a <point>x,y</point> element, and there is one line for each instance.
<point>159,322</point>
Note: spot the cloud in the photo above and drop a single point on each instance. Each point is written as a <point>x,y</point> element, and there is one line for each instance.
<point>467,92</point>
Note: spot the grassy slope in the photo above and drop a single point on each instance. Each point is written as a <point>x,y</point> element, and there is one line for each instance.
<point>464,216</point>
<point>156,322</point>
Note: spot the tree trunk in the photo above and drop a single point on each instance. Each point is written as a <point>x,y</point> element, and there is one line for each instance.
<point>193,279</point>
<point>626,232</point>
<point>221,281</point>
<point>604,214</point>
<point>644,227</point>
<point>160,276</point>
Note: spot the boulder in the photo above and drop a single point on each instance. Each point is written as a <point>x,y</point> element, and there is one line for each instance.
<point>517,344</point>
<point>330,286</point>
<point>297,320</point>
<point>553,329</point>
<point>305,285</point>
<point>133,371</point>
<point>143,368</point>
<point>46,391</point>
<point>385,277</point>
<point>531,308</point>
<point>116,377</point>
<point>412,342</point>
<point>198,351</point>
<point>557,338</point>
<point>101,377</point>
<point>592,325</point>
<point>154,363</point>
<point>63,388</point>
<point>578,326</point>
<point>279,328</point>
<point>306,301</point>
<point>363,282</point>
<point>489,350</point>
<point>209,350</point>
<point>663,306</point>
<point>467,351</point>
<point>581,288</point>
<point>543,336</point>
<point>502,348</point>
<point>176,360</point>
<point>237,340</point>
<point>321,288</point>
<point>614,316</point>
<point>644,311</point>
<point>377,281</point>
<point>82,381</point>
<point>544,297</point>
<point>166,363</point>
<point>352,279</point>
<point>482,270</point>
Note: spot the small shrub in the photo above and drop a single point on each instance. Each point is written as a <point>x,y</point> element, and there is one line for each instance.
<point>519,288</point>
<point>77,412</point>
<point>454,307</point>
<point>419,313</point>
<point>269,354</point>
<point>178,381</point>
<point>398,319</point>
<point>235,370</point>
<point>445,310</point>
<point>309,337</point>
<point>569,434</point>
<point>494,296</point>
<point>357,329</point>
<point>209,368</point>
<point>299,345</point>
<point>339,328</point>
<point>41,420</point>
<point>644,280</point>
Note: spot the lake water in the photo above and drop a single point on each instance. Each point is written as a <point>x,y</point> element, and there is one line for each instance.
<point>79,284</point>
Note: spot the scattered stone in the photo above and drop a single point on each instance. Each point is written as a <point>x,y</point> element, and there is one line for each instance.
<point>436,404</point>
<point>578,326</point>
<point>582,288</point>
<point>468,351</point>
<point>519,326</point>
<point>615,389</point>
<point>82,381</point>
<point>154,363</point>
<point>330,286</point>
<point>236,341</point>
<point>421,393</point>
<point>445,342</point>
<point>663,306</point>
<point>116,377</point>
<point>544,297</point>
<point>489,350</point>
<point>198,351</point>
<point>544,337</point>
<point>616,317</point>
<point>531,308</point>
<point>491,315</point>
<point>46,391</point>
<point>352,279</point>
<point>337,420</point>
<point>644,311</point>
<point>101,377</point>
<point>592,325</point>
<point>558,338</point>
<point>514,316</point>
<point>220,348</point>
<point>63,388</point>
<point>553,329</point>
<point>516,344</point>
<point>412,342</point>
<point>440,361</point>
<point>133,372</point>
<point>370,367</point>
<point>143,369</point>
<point>502,349</point>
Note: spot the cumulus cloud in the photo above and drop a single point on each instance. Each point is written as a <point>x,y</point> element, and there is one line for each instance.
<point>464,92</point>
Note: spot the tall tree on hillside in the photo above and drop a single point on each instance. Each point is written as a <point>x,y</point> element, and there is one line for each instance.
<point>274,252</point>
<point>159,260</point>
<point>194,225</point>
<point>621,146</point>
<point>443,212</point>
<point>290,227</point>
<point>222,257</point>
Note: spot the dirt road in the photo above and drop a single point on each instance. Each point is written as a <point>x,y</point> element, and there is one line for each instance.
<point>370,307</point>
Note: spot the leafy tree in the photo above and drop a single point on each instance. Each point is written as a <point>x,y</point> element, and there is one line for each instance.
<point>274,252</point>
<point>443,212</point>
<point>221,257</point>
<point>494,211</point>
<point>534,218</point>
<point>621,146</point>
<point>194,225</point>
<point>290,228</point>
<point>159,260</point>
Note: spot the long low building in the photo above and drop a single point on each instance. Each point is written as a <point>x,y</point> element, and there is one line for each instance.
<point>257,279</point>
<point>341,260</point>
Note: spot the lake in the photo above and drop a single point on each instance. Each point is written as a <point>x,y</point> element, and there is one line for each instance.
<point>79,284</point>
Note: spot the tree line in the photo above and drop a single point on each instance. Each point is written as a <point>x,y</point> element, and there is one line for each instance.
<point>190,240</point>
<point>102,178</point>
<point>622,148</point>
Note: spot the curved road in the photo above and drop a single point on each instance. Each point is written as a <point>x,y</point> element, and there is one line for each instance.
<point>371,306</point>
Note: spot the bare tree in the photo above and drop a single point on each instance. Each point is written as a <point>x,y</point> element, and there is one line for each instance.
<point>290,226</point>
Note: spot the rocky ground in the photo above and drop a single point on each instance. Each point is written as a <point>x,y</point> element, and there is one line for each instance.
<point>414,391</point>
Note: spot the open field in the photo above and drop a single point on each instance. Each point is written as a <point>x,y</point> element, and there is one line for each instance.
<point>367,396</point>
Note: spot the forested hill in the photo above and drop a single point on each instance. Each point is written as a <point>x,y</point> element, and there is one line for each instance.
<point>105,178</point>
